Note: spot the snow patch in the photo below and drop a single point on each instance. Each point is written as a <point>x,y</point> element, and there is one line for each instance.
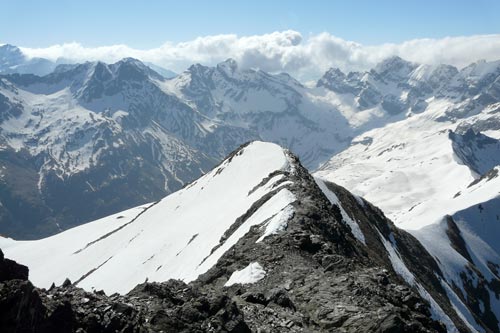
<point>250,274</point>
<point>278,222</point>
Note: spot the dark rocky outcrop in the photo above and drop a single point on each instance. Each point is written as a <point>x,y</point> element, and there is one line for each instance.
<point>171,306</point>
<point>477,151</point>
<point>10,270</point>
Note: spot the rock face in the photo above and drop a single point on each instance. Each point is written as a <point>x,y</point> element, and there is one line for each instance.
<point>478,151</point>
<point>324,261</point>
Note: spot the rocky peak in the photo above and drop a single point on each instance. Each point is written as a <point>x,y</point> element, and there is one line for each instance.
<point>335,74</point>
<point>480,68</point>
<point>107,80</point>
<point>441,76</point>
<point>393,63</point>
<point>9,48</point>
<point>196,77</point>
<point>130,69</point>
<point>436,76</point>
<point>13,60</point>
<point>101,72</point>
<point>198,69</point>
<point>335,80</point>
<point>10,55</point>
<point>394,68</point>
<point>481,80</point>
<point>444,71</point>
<point>229,66</point>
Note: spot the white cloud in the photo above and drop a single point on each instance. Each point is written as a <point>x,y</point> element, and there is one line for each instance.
<point>288,51</point>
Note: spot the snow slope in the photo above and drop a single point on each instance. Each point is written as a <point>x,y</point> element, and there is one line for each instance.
<point>401,166</point>
<point>181,236</point>
<point>262,186</point>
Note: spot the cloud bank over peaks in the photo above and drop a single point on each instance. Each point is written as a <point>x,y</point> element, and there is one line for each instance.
<point>285,51</point>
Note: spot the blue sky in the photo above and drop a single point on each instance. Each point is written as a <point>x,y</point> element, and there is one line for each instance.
<point>147,24</point>
<point>303,38</point>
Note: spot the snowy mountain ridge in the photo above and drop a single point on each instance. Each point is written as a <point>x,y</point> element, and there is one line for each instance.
<point>192,232</point>
<point>258,222</point>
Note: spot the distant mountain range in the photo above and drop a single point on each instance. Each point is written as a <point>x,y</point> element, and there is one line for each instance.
<point>91,139</point>
<point>13,60</point>
<point>421,142</point>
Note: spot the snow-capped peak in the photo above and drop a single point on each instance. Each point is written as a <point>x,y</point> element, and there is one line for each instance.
<point>480,70</point>
<point>10,55</point>
<point>394,64</point>
<point>335,73</point>
<point>229,66</point>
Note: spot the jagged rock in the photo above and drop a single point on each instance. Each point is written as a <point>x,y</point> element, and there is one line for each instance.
<point>66,283</point>
<point>280,296</point>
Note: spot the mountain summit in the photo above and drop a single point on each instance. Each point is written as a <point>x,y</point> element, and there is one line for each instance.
<point>13,60</point>
<point>286,250</point>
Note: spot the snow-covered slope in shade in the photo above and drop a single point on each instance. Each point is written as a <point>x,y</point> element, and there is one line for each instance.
<point>181,236</point>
